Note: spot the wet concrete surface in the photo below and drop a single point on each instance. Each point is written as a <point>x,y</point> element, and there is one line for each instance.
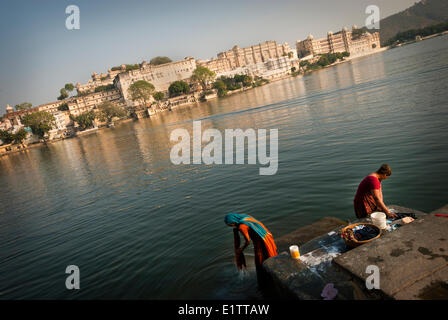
<point>412,261</point>
<point>412,258</point>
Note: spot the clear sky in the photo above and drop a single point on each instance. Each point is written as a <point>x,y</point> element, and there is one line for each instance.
<point>38,55</point>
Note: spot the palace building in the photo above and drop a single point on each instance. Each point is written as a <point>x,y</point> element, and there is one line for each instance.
<point>218,66</point>
<point>354,42</point>
<point>267,59</point>
<point>161,76</point>
<point>88,102</point>
<point>99,80</point>
<point>262,52</point>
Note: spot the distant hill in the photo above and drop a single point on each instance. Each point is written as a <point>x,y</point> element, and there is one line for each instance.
<point>421,14</point>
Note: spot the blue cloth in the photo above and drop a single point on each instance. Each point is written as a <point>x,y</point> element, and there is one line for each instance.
<point>363,233</point>
<point>241,219</point>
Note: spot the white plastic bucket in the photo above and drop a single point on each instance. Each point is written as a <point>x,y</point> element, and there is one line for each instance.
<point>379,219</point>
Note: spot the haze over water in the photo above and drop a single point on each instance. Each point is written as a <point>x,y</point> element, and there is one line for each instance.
<point>140,227</point>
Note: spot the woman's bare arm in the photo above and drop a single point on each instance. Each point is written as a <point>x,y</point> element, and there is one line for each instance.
<point>246,238</point>
<point>377,195</point>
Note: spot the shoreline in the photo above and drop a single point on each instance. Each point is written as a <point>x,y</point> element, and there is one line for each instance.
<point>229,93</point>
<point>326,258</point>
<point>440,34</point>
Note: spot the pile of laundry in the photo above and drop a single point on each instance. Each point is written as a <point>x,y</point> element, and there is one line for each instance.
<point>362,232</point>
<point>403,215</point>
<point>359,233</point>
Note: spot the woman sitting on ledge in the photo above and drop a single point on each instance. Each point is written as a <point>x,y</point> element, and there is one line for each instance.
<point>369,197</point>
<point>252,229</point>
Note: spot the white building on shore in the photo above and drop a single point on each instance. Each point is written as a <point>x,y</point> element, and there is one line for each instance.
<point>356,42</point>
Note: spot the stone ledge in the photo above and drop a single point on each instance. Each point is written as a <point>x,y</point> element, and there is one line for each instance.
<point>420,276</point>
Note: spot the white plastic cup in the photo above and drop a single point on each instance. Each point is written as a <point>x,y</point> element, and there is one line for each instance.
<point>379,219</point>
<point>294,250</point>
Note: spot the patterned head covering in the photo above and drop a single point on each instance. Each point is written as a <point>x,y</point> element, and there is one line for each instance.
<point>250,221</point>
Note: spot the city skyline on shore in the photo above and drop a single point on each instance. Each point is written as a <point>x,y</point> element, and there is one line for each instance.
<point>42,55</point>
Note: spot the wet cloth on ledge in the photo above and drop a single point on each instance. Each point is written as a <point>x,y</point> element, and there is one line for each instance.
<point>363,232</point>
<point>401,215</point>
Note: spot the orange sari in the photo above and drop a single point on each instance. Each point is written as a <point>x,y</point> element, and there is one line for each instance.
<point>263,248</point>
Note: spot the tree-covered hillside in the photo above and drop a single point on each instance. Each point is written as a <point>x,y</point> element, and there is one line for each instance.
<point>422,14</point>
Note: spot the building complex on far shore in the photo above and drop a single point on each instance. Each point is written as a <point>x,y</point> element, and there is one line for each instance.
<point>161,76</point>
<point>269,60</point>
<point>357,42</point>
<point>262,52</point>
<point>258,60</point>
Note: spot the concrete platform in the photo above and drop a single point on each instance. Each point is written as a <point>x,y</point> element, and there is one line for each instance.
<point>292,279</point>
<point>412,261</point>
<point>443,210</point>
<point>307,233</point>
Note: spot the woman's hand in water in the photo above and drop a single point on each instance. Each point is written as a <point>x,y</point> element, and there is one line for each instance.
<point>392,215</point>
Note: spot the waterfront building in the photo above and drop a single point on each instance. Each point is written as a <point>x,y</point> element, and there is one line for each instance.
<point>12,120</point>
<point>62,120</point>
<point>268,59</point>
<point>88,102</point>
<point>52,107</point>
<point>9,109</point>
<point>161,76</point>
<point>5,124</point>
<point>354,42</point>
<point>62,125</point>
<point>270,69</point>
<point>217,65</point>
<point>262,52</point>
<point>99,80</point>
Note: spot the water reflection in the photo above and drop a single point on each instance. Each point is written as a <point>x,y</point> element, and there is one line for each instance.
<point>142,227</point>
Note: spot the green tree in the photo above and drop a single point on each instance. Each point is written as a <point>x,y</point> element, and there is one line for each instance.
<point>259,81</point>
<point>178,87</point>
<point>130,67</point>
<point>323,61</point>
<point>357,33</point>
<point>244,79</point>
<point>158,96</point>
<point>23,106</point>
<point>412,33</point>
<point>63,107</point>
<point>231,82</point>
<point>141,91</point>
<point>84,120</point>
<point>69,87</point>
<point>6,136</point>
<point>105,88</point>
<point>159,60</point>
<point>221,88</point>
<point>109,110</point>
<point>19,136</point>
<point>203,76</point>
<point>40,122</point>
<point>64,94</point>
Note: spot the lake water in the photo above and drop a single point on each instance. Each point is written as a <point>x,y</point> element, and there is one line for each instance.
<point>139,227</point>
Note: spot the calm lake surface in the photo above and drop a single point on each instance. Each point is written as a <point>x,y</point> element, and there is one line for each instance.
<point>139,227</point>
